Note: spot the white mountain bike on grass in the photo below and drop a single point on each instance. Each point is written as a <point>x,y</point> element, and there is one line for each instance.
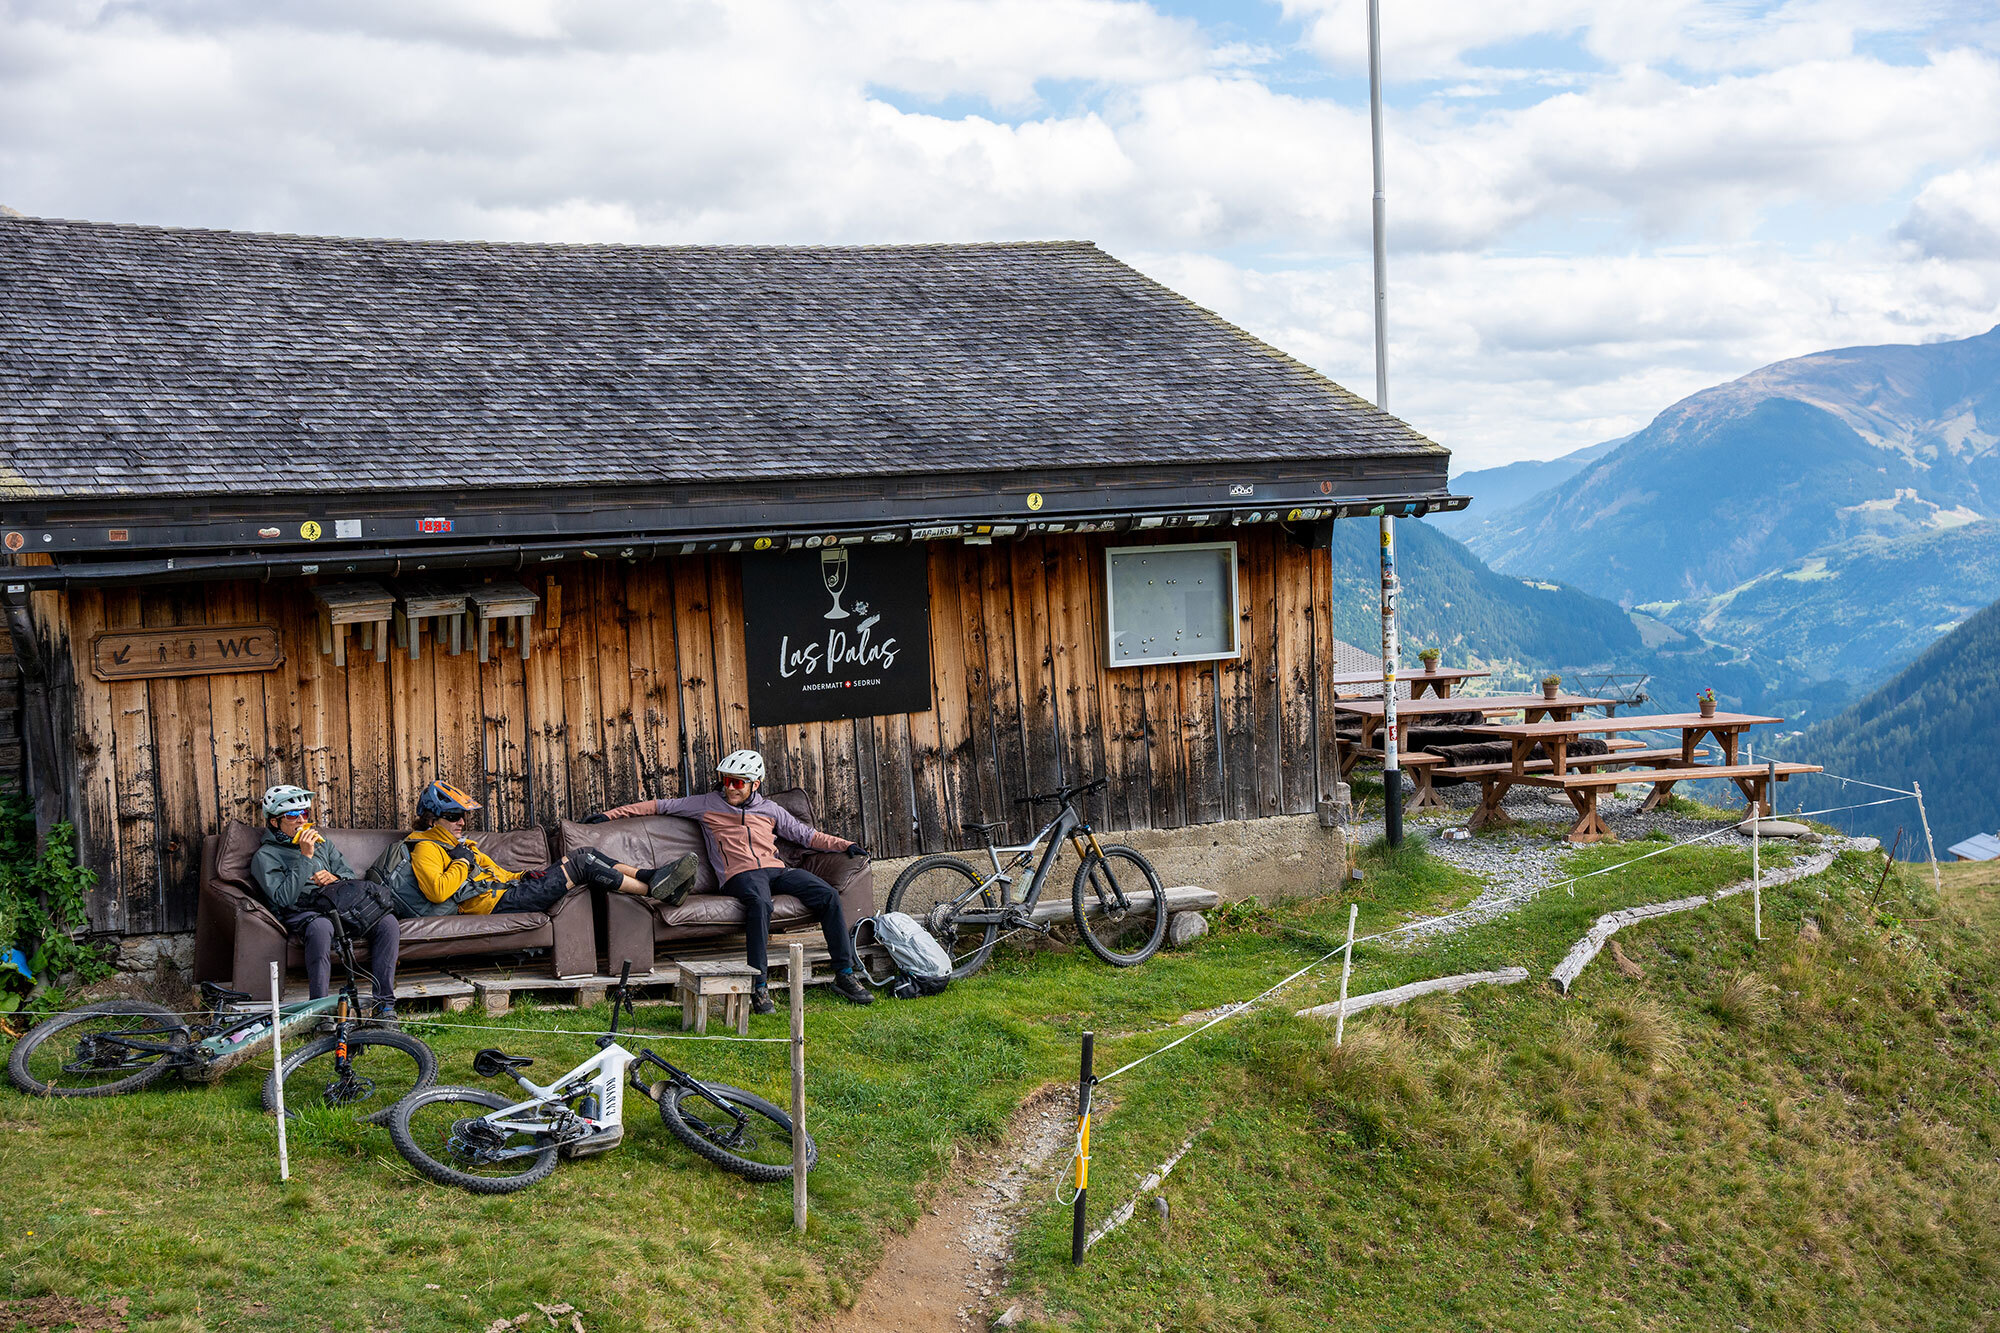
<point>481,1141</point>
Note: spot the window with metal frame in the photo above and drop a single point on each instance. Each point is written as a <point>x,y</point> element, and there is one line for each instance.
<point>1171,603</point>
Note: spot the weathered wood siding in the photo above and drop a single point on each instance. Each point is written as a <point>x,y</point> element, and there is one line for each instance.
<point>636,687</point>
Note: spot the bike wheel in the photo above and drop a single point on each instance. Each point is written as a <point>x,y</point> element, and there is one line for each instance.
<point>926,891</point>
<point>1121,937</point>
<point>89,1052</point>
<point>758,1149</point>
<point>439,1131</point>
<point>382,1069</point>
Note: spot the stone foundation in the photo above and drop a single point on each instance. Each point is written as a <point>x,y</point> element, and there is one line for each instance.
<point>1285,856</point>
<point>168,957</point>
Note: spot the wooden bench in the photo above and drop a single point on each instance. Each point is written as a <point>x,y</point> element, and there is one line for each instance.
<point>1583,788</point>
<point>1623,752</point>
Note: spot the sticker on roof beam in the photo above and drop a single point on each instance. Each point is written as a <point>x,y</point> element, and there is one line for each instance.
<point>1005,529</point>
<point>1154,521</point>
<point>310,530</point>
<point>15,541</point>
<point>270,532</point>
<point>1035,501</point>
<point>937,530</point>
<point>118,535</point>
<point>885,536</point>
<point>432,526</point>
<point>764,544</point>
<point>1242,490</point>
<point>346,527</point>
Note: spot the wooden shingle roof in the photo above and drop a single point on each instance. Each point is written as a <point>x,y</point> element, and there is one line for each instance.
<point>169,362</point>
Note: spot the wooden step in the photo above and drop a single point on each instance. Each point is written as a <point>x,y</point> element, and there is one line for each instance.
<point>1180,898</point>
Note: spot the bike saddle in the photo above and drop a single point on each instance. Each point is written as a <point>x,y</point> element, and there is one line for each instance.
<point>984,830</point>
<point>491,1061</point>
<point>215,993</point>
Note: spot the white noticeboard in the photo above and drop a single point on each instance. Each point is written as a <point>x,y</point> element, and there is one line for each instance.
<point>1171,603</point>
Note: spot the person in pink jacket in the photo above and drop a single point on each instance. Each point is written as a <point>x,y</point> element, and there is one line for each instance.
<point>740,828</point>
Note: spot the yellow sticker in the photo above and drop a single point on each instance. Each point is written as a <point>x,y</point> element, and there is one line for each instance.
<point>1034,499</point>
<point>1292,517</point>
<point>309,530</point>
<point>761,544</point>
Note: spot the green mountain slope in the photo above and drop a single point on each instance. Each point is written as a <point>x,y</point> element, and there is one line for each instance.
<point>1495,490</point>
<point>1856,611</point>
<point>1937,723</point>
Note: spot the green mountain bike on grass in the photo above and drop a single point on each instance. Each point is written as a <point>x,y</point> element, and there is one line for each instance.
<point>1116,900</point>
<point>120,1046</point>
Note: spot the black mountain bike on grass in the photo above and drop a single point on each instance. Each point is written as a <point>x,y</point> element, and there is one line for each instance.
<point>119,1046</point>
<point>1116,900</point>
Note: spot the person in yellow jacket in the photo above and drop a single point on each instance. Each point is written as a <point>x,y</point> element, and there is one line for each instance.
<point>450,868</point>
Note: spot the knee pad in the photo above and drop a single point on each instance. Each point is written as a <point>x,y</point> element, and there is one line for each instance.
<point>594,869</point>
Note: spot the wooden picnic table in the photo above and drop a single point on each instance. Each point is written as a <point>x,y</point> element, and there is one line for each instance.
<point>1535,706</point>
<point>1583,788</point>
<point>1439,682</point>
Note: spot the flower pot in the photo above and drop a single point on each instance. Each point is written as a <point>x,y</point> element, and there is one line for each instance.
<point>1549,691</point>
<point>1430,665</point>
<point>1708,708</point>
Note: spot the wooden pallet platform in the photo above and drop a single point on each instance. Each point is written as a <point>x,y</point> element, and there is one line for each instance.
<point>493,988</point>
<point>412,988</point>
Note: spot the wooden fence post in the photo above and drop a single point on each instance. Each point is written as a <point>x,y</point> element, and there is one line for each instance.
<point>1937,880</point>
<point>798,978</point>
<point>278,1070</point>
<point>1346,967</point>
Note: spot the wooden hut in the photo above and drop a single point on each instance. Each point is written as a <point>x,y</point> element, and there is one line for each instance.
<point>564,524</point>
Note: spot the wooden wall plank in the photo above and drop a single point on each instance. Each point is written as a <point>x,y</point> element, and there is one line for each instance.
<point>1034,672</point>
<point>375,775</point>
<point>1297,706</point>
<point>460,725</point>
<point>841,779</point>
<point>611,650</point>
<point>186,770</point>
<point>96,766</point>
<point>981,800</point>
<point>284,723</point>
<point>1166,746</point>
<point>732,678</point>
<point>694,641</point>
<point>136,770</point>
<point>413,729</point>
<point>656,690</point>
<point>1201,726</point>
<point>549,798</point>
<point>1267,794</point>
<point>1075,661</point>
<point>876,818</point>
<point>1239,704</point>
<point>505,720</point>
<point>1326,766</point>
<point>236,704</point>
<point>577,639</point>
<point>1004,719</point>
<point>896,769</point>
<point>951,691</point>
<point>1128,802</point>
<point>322,711</point>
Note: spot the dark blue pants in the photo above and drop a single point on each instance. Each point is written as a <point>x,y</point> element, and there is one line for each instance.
<point>315,934</point>
<point>753,888</point>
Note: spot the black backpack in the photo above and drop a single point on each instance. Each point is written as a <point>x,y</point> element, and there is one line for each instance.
<point>356,903</point>
<point>393,871</point>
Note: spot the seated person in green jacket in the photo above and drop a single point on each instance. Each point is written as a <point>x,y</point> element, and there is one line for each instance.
<point>450,868</point>
<point>292,863</point>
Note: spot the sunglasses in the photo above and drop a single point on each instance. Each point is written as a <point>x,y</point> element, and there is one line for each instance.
<point>735,782</point>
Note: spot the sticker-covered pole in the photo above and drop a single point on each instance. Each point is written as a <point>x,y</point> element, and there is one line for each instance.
<point>278,1068</point>
<point>1392,775</point>
<point>1084,1080</point>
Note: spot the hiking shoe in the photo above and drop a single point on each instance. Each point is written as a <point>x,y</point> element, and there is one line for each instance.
<point>851,989</point>
<point>760,1000</point>
<point>670,883</point>
<point>383,1013</point>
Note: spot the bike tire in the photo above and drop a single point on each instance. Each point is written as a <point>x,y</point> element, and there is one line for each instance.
<point>1104,932</point>
<point>925,891</point>
<point>156,1022</point>
<point>429,1115</point>
<point>391,1065</point>
<point>681,1109</point>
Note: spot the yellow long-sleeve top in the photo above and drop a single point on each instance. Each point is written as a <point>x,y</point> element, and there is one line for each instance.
<point>440,877</point>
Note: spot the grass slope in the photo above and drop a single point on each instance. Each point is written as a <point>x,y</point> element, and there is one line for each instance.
<point>1692,1150</point>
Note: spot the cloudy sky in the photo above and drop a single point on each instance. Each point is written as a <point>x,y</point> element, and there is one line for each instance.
<point>1596,206</point>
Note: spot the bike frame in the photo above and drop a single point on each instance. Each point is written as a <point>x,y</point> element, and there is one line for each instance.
<point>602,1074</point>
<point>1067,824</point>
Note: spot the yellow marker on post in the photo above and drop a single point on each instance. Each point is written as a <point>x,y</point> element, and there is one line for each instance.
<point>1084,1081</point>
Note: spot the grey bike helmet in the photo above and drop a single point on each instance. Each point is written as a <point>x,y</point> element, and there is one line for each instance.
<point>285,799</point>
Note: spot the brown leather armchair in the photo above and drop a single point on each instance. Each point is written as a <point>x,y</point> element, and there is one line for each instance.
<point>238,937</point>
<point>634,926</point>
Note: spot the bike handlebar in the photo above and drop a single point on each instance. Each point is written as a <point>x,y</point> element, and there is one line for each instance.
<point>1065,794</point>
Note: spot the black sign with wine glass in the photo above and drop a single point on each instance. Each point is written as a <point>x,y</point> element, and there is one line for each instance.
<point>843,631</point>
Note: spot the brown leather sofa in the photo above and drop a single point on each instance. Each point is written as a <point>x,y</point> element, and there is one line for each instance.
<point>634,926</point>
<point>238,937</point>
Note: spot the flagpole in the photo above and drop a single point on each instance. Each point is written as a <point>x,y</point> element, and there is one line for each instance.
<point>1392,773</point>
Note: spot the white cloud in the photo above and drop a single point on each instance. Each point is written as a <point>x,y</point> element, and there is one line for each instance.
<point>1957,215</point>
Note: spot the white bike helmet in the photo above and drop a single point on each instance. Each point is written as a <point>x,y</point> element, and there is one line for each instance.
<point>285,799</point>
<point>745,764</point>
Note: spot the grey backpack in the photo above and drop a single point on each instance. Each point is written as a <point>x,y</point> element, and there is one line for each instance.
<point>393,871</point>
<point>922,965</point>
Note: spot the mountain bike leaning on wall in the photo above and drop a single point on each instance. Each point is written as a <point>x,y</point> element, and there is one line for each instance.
<point>119,1046</point>
<point>1116,900</point>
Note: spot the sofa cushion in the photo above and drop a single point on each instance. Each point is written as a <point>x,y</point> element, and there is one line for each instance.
<point>525,850</point>
<point>655,840</point>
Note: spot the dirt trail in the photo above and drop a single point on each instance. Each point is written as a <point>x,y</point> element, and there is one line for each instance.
<point>948,1274</point>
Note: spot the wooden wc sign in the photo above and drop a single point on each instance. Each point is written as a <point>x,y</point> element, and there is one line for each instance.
<point>190,650</point>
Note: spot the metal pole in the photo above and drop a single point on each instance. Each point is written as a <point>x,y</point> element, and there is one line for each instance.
<point>1757,872</point>
<point>1392,774</point>
<point>1346,967</point>
<point>1084,1080</point>
<point>798,964</point>
<point>278,1068</point>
